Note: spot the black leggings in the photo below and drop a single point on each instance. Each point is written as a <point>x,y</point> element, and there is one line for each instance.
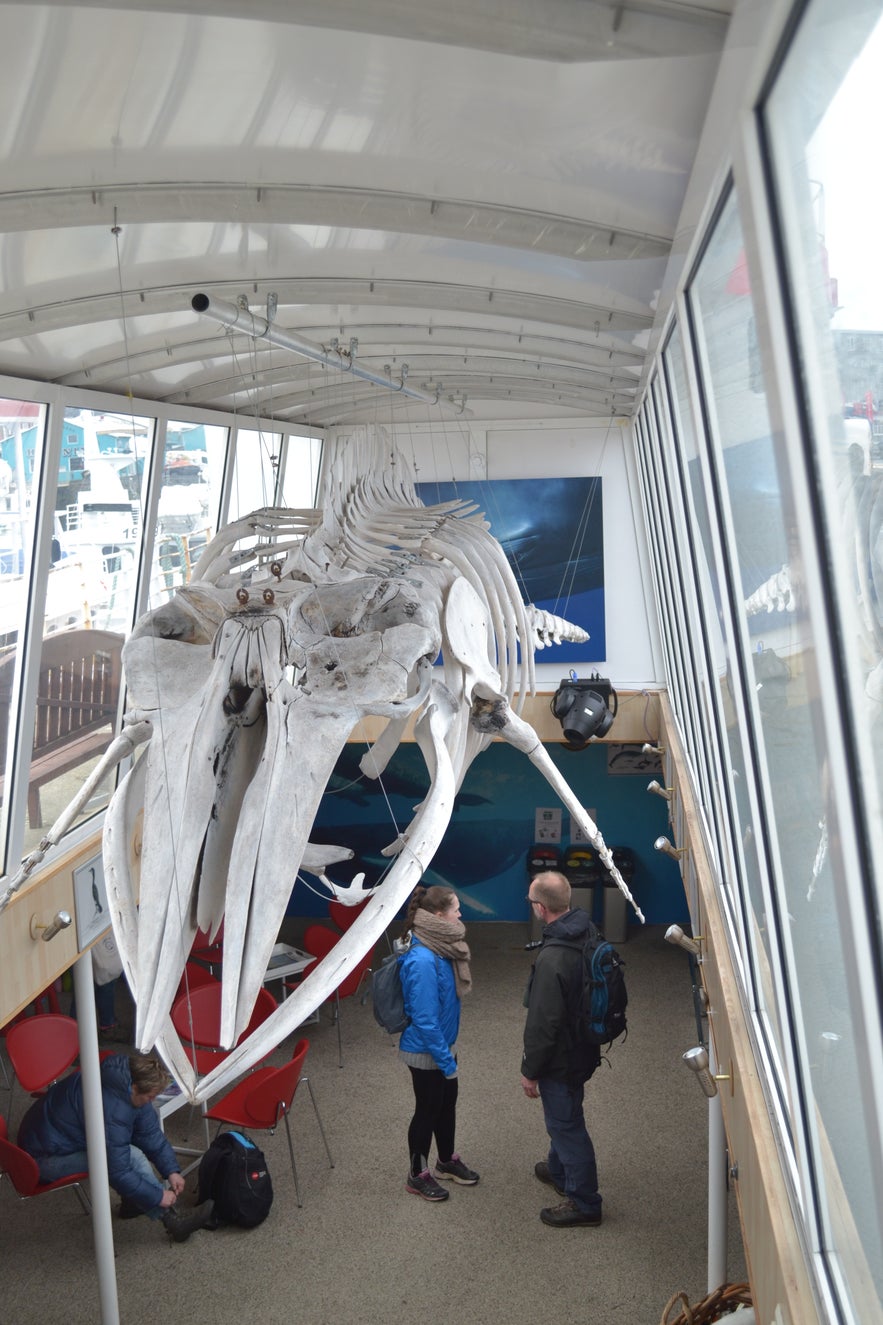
<point>435,1114</point>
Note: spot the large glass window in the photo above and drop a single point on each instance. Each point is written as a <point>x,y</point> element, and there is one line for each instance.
<point>22,427</point>
<point>90,603</point>
<point>273,469</point>
<point>712,670</point>
<point>820,120</point>
<point>255,471</point>
<point>722,703</point>
<point>189,500</point>
<point>22,424</point>
<point>791,771</point>
<point>300,477</point>
<point>682,637</point>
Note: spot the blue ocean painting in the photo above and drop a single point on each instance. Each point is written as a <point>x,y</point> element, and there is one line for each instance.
<point>552,532</point>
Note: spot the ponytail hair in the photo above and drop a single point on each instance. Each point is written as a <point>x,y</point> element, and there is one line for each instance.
<point>435,899</point>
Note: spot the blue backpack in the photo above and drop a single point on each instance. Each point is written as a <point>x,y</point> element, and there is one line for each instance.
<point>599,1012</point>
<point>388,996</point>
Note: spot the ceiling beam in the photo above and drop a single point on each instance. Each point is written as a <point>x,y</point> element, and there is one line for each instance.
<point>592,240</point>
<point>603,321</point>
<point>566,31</point>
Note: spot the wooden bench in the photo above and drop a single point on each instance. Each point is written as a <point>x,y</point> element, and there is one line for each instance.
<point>77,701</point>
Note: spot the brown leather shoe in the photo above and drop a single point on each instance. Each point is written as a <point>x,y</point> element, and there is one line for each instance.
<point>541,1171</point>
<point>180,1223</point>
<point>568,1215</point>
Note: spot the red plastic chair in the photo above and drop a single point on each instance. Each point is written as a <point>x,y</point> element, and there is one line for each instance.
<point>50,998</point>
<point>204,950</point>
<point>194,977</point>
<point>344,916</point>
<point>318,941</point>
<point>197,1019</point>
<point>41,1048</point>
<point>259,1101</point>
<point>25,1175</point>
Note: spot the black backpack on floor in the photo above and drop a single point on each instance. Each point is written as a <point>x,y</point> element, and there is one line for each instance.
<point>233,1173</point>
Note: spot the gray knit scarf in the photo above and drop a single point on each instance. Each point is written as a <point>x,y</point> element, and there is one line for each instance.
<point>446,938</point>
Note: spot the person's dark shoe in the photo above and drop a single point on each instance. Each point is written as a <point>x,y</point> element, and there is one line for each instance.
<point>115,1034</point>
<point>454,1170</point>
<point>180,1223</point>
<point>568,1215</point>
<point>128,1209</point>
<point>423,1184</point>
<point>541,1171</point>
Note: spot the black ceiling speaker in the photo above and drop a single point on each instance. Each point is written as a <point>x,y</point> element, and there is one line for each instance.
<point>584,709</point>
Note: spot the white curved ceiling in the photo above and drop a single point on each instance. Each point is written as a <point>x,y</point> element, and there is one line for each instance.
<point>485,191</point>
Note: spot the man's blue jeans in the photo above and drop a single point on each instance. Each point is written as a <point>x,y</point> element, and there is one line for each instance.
<point>571,1154</point>
<point>105,1005</point>
<point>61,1166</point>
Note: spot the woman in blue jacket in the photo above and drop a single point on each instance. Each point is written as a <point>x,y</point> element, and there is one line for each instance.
<point>435,976</point>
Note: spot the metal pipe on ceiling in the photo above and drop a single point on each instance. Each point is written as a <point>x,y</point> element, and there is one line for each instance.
<point>260,328</point>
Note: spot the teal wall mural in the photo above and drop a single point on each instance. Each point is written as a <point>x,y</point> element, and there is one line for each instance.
<point>485,850</point>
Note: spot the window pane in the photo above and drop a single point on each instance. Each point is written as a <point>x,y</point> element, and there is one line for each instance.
<point>742,837</point>
<point>192,475</point>
<point>302,458</point>
<point>759,544</point>
<point>22,425</point>
<point>90,600</point>
<point>819,119</point>
<point>254,474</point>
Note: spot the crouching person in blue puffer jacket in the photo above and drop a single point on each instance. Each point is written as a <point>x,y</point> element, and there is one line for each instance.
<point>54,1131</point>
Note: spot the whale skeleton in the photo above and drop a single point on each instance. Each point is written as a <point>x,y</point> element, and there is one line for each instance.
<point>244,688</point>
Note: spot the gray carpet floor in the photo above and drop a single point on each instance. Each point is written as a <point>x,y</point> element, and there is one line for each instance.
<point>362,1251</point>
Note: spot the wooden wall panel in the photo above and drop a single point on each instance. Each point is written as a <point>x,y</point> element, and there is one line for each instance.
<point>28,965</point>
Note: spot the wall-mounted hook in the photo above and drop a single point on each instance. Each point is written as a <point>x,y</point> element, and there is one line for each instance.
<point>59,921</point>
<point>662,844</point>
<point>674,934</point>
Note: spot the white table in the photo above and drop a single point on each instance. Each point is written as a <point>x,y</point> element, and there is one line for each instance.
<point>286,961</point>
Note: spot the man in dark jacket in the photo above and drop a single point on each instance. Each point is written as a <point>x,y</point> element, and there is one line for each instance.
<point>54,1131</point>
<point>556,1062</point>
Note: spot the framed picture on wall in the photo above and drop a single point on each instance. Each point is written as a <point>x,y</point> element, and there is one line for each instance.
<point>631,760</point>
<point>552,532</point>
<point>90,902</point>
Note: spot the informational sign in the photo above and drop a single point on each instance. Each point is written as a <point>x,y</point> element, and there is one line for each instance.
<point>547,825</point>
<point>576,833</point>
